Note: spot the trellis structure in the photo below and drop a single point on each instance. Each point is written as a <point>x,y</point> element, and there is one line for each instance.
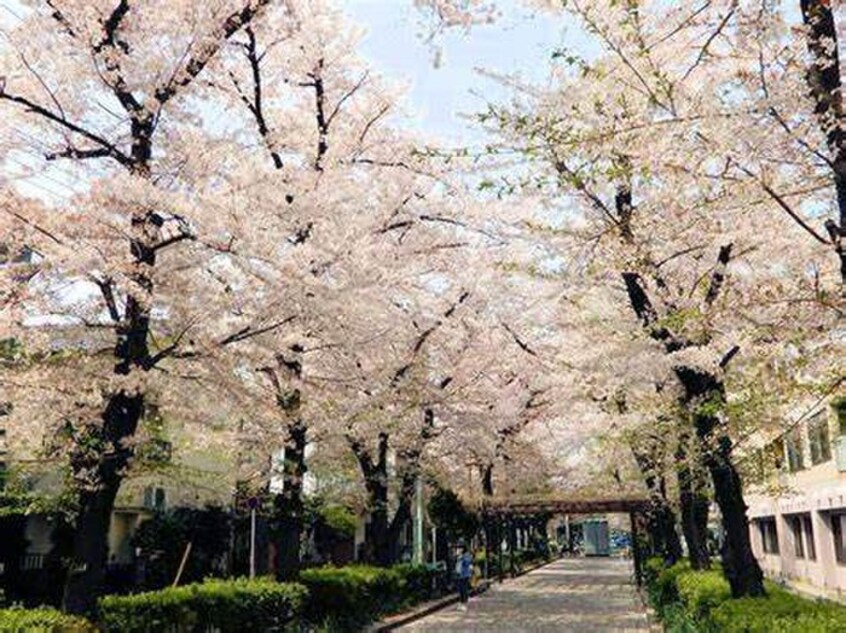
<point>496,511</point>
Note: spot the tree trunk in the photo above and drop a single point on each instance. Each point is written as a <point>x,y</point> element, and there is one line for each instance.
<point>487,480</point>
<point>487,518</point>
<point>661,518</point>
<point>693,502</point>
<point>823,76</point>
<point>377,542</point>
<point>704,395</point>
<point>290,503</point>
<point>378,547</point>
<point>85,577</point>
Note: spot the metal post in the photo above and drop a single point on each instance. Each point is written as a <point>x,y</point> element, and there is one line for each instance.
<point>499,547</point>
<point>512,544</point>
<point>417,544</point>
<point>434,545</point>
<point>252,542</point>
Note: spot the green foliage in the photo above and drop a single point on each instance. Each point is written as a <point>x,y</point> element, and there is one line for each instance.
<point>339,518</point>
<point>664,591</point>
<point>42,620</point>
<point>779,611</point>
<point>11,350</point>
<point>349,598</point>
<point>652,568</point>
<point>690,601</point>
<point>702,591</point>
<point>449,514</point>
<point>228,606</point>
<point>163,539</point>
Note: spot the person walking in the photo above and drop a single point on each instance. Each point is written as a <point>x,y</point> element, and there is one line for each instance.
<point>463,571</point>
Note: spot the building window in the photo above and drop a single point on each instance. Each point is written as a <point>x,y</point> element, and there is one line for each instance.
<point>776,451</point>
<point>793,441</point>
<point>154,498</point>
<point>808,532</point>
<point>840,415</point>
<point>838,532</point>
<point>769,535</point>
<point>795,524</point>
<point>818,439</point>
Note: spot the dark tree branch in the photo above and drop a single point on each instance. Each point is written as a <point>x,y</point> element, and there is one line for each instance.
<point>106,286</point>
<point>195,65</point>
<point>520,342</point>
<point>107,147</point>
<point>249,332</point>
<point>718,276</point>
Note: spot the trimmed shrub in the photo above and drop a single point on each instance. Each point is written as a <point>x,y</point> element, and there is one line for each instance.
<point>663,591</point>
<point>702,591</point>
<point>420,582</point>
<point>779,611</point>
<point>349,598</point>
<point>225,605</point>
<point>42,620</point>
<point>652,568</point>
<point>700,602</point>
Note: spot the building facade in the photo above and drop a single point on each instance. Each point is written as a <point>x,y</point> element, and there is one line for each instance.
<point>799,532</point>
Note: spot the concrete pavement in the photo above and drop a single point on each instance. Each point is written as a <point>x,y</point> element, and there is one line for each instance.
<point>575,594</point>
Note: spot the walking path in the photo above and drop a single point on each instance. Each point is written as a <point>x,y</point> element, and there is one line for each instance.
<point>595,595</point>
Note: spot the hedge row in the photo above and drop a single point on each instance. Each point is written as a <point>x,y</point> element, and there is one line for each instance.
<point>42,620</point>
<point>349,598</point>
<point>700,602</point>
<point>222,605</point>
<point>331,598</point>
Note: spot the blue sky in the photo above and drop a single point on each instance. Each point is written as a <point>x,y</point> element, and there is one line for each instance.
<point>521,41</point>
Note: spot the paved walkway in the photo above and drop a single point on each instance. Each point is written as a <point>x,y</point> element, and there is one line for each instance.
<point>595,595</point>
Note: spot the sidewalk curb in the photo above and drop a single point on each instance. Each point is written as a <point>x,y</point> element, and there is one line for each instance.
<point>396,621</point>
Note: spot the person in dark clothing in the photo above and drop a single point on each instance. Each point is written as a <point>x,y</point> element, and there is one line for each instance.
<point>463,572</point>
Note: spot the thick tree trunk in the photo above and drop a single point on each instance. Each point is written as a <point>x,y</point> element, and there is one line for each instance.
<point>823,76</point>
<point>693,502</point>
<point>661,520</point>
<point>378,545</point>
<point>377,542</point>
<point>289,503</point>
<point>90,543</point>
<point>487,480</point>
<point>704,394</point>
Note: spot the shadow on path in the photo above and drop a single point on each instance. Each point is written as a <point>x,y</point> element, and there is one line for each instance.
<point>579,595</point>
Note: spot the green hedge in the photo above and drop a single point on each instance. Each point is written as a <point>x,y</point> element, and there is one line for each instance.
<point>690,601</point>
<point>349,598</point>
<point>225,605</point>
<point>42,620</point>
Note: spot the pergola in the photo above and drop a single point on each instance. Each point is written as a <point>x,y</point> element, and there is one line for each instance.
<point>497,510</point>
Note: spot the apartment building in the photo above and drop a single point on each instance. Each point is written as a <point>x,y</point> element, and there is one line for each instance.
<point>799,533</point>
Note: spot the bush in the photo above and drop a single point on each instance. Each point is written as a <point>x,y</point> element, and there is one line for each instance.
<point>349,598</point>
<point>419,582</point>
<point>779,611</point>
<point>663,591</point>
<point>690,601</point>
<point>162,540</point>
<point>42,620</point>
<point>701,591</point>
<point>225,605</point>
